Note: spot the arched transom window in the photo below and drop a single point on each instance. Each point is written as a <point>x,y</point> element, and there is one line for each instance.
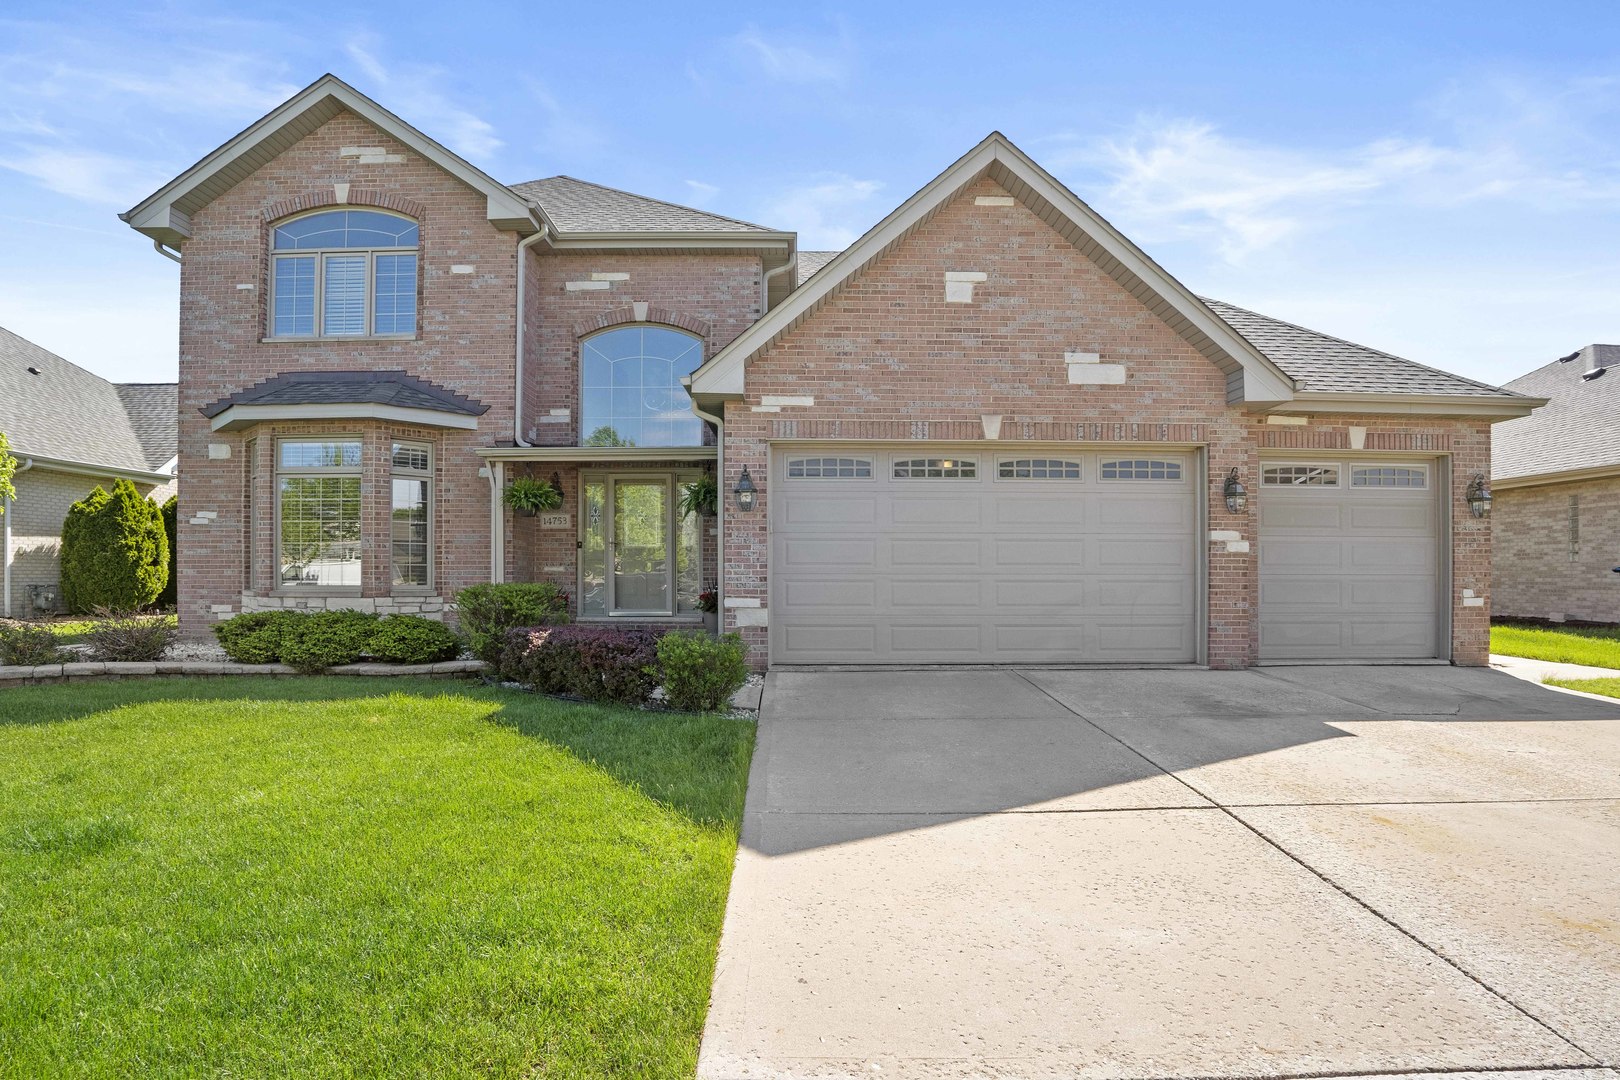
<point>631,385</point>
<point>344,273</point>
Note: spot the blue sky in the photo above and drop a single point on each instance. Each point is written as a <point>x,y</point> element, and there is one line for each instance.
<point>1441,180</point>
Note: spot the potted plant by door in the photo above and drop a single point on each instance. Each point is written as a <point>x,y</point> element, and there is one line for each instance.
<point>529,496</point>
<point>708,602</point>
<point>699,496</point>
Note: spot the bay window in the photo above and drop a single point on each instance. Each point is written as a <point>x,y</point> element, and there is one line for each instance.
<point>344,273</point>
<point>318,514</point>
<point>409,521</point>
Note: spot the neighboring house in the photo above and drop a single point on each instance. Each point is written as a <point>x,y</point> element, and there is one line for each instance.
<point>991,430</point>
<point>1556,479</point>
<point>70,431</point>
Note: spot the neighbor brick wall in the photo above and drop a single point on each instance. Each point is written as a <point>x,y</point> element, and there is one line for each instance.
<point>465,341</point>
<point>1534,574</point>
<point>887,358</point>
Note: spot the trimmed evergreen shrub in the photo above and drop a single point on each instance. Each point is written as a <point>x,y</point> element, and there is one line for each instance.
<point>598,663</point>
<point>316,640</point>
<point>411,639</point>
<point>170,596</point>
<point>124,638</point>
<point>254,637</point>
<point>22,645</point>
<point>699,672</point>
<point>115,552</point>
<point>487,612</point>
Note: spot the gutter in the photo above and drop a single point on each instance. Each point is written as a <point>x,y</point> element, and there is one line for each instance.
<point>765,284</point>
<point>5,545</point>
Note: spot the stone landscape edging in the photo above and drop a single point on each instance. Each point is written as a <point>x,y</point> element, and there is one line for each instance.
<point>95,669</point>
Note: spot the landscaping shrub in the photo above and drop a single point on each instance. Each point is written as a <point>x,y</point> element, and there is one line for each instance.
<point>487,612</point>
<point>411,639</point>
<point>699,672</point>
<point>254,637</point>
<point>115,552</point>
<point>122,637</point>
<point>598,663</point>
<point>22,645</point>
<point>170,596</point>
<point>316,640</point>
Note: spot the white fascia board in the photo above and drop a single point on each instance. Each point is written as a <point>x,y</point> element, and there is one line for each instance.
<point>1567,476</point>
<point>242,416</point>
<point>598,453</point>
<point>91,468</point>
<point>157,217</point>
<point>1454,405</point>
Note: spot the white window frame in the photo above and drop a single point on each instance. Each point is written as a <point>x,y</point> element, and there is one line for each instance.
<point>277,471</point>
<point>429,507</point>
<point>1337,467</point>
<point>673,479</point>
<point>955,462</point>
<point>1066,462</point>
<point>1419,469</point>
<point>320,255</point>
<point>1103,461</point>
<point>858,459</point>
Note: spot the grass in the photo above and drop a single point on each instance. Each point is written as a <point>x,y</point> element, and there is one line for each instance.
<point>1605,687</point>
<point>1598,646</point>
<point>74,631</point>
<point>309,877</point>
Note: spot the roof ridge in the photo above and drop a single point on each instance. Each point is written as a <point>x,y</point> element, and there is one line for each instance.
<point>1356,345</point>
<point>651,199</point>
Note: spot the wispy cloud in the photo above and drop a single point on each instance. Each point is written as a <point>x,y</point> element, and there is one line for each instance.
<point>564,131</point>
<point>84,174</point>
<point>830,211</point>
<point>798,58</point>
<point>700,192</point>
<point>415,91</point>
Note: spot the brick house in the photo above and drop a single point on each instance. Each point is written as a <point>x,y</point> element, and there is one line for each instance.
<point>1556,475</point>
<point>70,431</point>
<point>992,430</point>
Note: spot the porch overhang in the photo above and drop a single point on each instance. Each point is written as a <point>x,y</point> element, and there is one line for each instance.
<point>602,454</point>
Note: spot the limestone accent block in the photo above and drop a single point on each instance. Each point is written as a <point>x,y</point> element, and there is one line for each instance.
<point>587,286</point>
<point>959,285</point>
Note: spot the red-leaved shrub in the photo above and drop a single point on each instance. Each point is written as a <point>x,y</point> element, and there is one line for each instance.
<point>598,663</point>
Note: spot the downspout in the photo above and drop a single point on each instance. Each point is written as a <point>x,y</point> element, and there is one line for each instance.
<point>765,283</point>
<point>157,245</point>
<point>5,540</point>
<point>522,278</point>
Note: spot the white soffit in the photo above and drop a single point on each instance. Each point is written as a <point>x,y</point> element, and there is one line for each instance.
<point>238,417</point>
<point>1254,378</point>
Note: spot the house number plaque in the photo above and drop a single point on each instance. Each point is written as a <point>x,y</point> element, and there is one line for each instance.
<point>555,521</point>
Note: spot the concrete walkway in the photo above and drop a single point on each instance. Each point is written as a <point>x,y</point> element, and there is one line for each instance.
<point>1109,874</point>
<point>1538,671</point>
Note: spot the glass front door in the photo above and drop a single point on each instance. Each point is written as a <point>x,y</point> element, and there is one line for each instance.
<point>639,548</point>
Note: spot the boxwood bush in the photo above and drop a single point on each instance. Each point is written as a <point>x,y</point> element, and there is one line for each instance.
<point>699,672</point>
<point>488,612</point>
<point>22,645</point>
<point>316,640</point>
<point>410,639</point>
<point>321,639</point>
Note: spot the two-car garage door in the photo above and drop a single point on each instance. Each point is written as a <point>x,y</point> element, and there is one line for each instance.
<point>938,555</point>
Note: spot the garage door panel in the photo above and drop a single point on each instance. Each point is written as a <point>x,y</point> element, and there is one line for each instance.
<point>1349,572</point>
<point>988,570</point>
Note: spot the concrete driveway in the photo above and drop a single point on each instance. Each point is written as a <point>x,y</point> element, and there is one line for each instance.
<point>1278,873</point>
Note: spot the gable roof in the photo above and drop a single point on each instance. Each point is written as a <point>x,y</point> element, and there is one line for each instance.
<point>1250,375</point>
<point>574,205</point>
<point>392,395</point>
<point>165,214</point>
<point>811,262</point>
<point>1576,432</point>
<point>154,415</point>
<point>1318,361</point>
<point>56,410</point>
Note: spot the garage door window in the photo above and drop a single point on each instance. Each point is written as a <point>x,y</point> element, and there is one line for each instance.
<point>936,469</point>
<point>1300,476</point>
<point>1039,469</point>
<point>1141,469</point>
<point>1390,476</point>
<point>829,468</point>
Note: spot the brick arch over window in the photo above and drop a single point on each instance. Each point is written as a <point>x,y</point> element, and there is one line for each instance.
<point>642,313</point>
<point>314,200</point>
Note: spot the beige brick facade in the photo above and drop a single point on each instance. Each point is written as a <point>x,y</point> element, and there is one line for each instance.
<point>1556,549</point>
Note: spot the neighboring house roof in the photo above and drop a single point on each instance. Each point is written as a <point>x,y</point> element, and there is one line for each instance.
<point>53,409</point>
<point>579,206</point>
<point>1251,376</point>
<point>344,394</point>
<point>1318,361</point>
<point>1577,431</point>
<point>154,413</point>
<point>812,261</point>
<point>165,214</point>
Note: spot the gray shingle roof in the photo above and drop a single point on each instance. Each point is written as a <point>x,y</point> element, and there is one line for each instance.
<point>577,206</point>
<point>1319,361</point>
<point>1578,428</point>
<point>154,413</point>
<point>349,388</point>
<point>52,408</point>
<point>812,261</point>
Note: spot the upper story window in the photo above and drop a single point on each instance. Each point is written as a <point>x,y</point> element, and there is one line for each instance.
<point>631,386</point>
<point>344,273</point>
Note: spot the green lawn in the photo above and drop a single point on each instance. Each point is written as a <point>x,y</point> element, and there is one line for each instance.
<point>1598,646</point>
<point>1606,687</point>
<point>312,877</point>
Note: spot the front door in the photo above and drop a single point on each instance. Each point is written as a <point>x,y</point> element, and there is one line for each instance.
<point>638,555</point>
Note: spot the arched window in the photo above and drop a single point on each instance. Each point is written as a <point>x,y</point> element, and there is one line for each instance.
<point>631,387</point>
<point>343,273</point>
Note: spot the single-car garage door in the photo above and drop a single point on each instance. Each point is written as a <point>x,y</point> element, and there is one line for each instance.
<point>943,555</point>
<point>1349,560</point>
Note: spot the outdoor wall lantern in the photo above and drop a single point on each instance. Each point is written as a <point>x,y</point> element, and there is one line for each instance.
<point>1237,496</point>
<point>745,491</point>
<point>1479,496</point>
